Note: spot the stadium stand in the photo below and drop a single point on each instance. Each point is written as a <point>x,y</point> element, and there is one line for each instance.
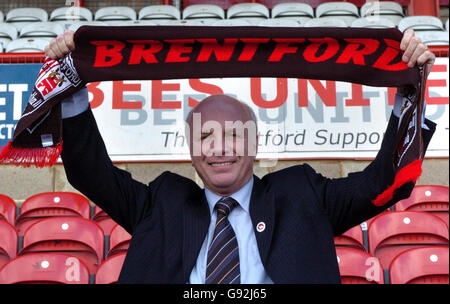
<point>43,30</point>
<point>393,232</point>
<point>383,9</point>
<point>103,220</point>
<point>44,268</point>
<point>358,267</point>
<point>429,198</point>
<point>7,34</point>
<point>20,17</point>
<point>345,11</point>
<point>159,12</point>
<point>298,12</point>
<point>251,12</point>
<point>426,265</point>
<point>353,238</point>
<point>108,272</point>
<point>373,22</point>
<point>76,236</point>
<point>8,242</point>
<point>115,13</point>
<point>119,241</point>
<point>27,45</point>
<point>51,204</point>
<point>7,209</point>
<point>205,12</point>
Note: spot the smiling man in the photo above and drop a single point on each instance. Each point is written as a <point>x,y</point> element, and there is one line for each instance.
<point>239,229</point>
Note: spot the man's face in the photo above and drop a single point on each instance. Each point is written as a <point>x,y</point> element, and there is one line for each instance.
<point>223,144</point>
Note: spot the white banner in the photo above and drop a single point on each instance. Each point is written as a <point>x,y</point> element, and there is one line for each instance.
<point>297,118</point>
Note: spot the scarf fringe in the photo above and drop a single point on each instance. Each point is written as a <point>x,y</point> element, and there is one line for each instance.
<point>25,157</point>
<point>409,173</point>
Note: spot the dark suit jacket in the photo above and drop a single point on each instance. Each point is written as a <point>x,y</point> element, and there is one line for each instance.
<point>169,217</point>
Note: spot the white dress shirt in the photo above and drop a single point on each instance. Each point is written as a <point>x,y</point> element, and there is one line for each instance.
<point>251,267</point>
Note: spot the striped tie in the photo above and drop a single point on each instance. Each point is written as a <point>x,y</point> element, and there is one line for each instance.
<point>223,254</point>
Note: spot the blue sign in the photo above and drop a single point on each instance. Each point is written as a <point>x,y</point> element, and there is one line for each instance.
<point>16,84</point>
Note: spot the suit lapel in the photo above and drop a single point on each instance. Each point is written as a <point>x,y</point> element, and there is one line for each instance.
<point>196,219</point>
<point>262,213</point>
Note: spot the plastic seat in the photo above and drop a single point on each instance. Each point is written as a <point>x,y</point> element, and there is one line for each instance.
<point>103,220</point>
<point>71,14</point>
<point>76,25</point>
<point>384,9</point>
<point>134,23</point>
<point>73,235</point>
<point>433,38</point>
<point>358,267</point>
<point>394,232</point>
<point>7,33</point>
<point>299,12</point>
<point>325,22</point>
<point>279,23</point>
<point>1,17</point>
<point>19,17</point>
<point>373,22</point>
<point>426,265</point>
<point>44,268</point>
<point>7,209</point>
<point>159,12</point>
<point>119,241</point>
<point>345,11</point>
<point>51,204</point>
<point>108,272</point>
<point>207,12</point>
<point>351,238</point>
<point>428,198</point>
<point>252,12</point>
<point>224,4</point>
<point>115,13</point>
<point>45,30</point>
<point>421,23</point>
<point>27,45</point>
<point>232,22</point>
<point>8,242</point>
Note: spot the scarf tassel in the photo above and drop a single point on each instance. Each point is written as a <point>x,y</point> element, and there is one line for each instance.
<point>40,157</point>
<point>409,173</point>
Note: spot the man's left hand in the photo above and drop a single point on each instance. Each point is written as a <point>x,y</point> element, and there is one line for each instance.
<point>415,52</point>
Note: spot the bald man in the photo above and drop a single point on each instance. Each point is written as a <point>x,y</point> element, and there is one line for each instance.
<point>239,228</point>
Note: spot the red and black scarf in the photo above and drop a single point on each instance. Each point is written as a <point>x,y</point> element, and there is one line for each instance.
<point>365,56</point>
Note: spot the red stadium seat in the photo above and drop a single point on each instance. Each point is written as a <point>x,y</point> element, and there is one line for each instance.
<point>428,198</point>
<point>119,240</point>
<point>358,267</point>
<point>7,209</point>
<point>351,238</point>
<point>51,204</point>
<point>44,268</point>
<point>426,265</point>
<point>394,232</point>
<point>8,242</point>
<point>108,272</point>
<point>72,235</point>
<point>103,220</point>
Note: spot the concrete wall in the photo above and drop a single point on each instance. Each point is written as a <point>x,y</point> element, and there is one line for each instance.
<point>20,183</point>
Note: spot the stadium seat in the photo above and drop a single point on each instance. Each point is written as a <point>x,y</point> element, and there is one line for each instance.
<point>421,23</point>
<point>27,45</point>
<point>72,235</point>
<point>7,209</point>
<point>119,241</point>
<point>426,265</point>
<point>51,204</point>
<point>1,17</point>
<point>252,12</point>
<point>103,220</point>
<point>159,12</point>
<point>19,17</point>
<point>428,198</point>
<point>358,267</point>
<point>71,14</point>
<point>345,11</point>
<point>433,38</point>
<point>134,23</point>
<point>7,33</point>
<point>111,14</point>
<point>393,232</point>
<point>299,12</point>
<point>279,23</point>
<point>44,268</point>
<point>231,22</point>
<point>76,25</point>
<point>325,22</point>
<point>8,242</point>
<point>351,238</point>
<point>108,272</point>
<point>43,30</point>
<point>384,9</point>
<point>373,22</point>
<point>206,12</point>
<point>224,4</point>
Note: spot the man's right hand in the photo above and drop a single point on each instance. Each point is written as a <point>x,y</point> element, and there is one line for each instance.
<point>60,46</point>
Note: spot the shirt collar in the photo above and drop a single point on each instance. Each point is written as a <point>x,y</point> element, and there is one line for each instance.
<point>242,196</point>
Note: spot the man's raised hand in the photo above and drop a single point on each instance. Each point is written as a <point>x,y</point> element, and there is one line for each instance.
<point>60,46</point>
